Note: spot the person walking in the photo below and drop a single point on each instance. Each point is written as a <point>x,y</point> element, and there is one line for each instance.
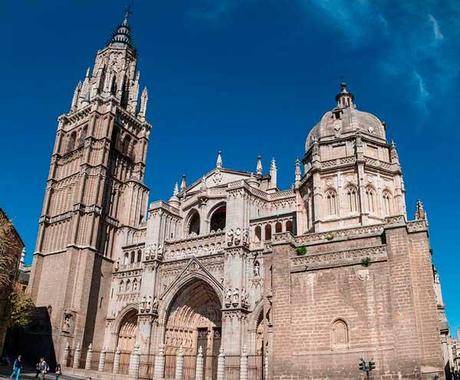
<point>17,368</point>
<point>43,367</point>
<point>58,371</point>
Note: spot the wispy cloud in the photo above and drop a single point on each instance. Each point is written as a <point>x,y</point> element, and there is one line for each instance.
<point>436,29</point>
<point>410,37</point>
<point>416,38</point>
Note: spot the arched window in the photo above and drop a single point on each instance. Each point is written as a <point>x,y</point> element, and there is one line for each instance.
<point>278,227</point>
<point>83,133</point>
<point>370,199</point>
<point>139,256</point>
<point>194,224</point>
<point>134,285</point>
<point>339,334</point>
<point>125,145</point>
<point>120,287</point>
<point>289,226</point>
<point>352,199</point>
<point>128,283</point>
<point>126,258</point>
<point>268,232</point>
<point>331,199</point>
<point>387,202</point>
<point>218,218</point>
<point>258,233</point>
<point>71,142</point>
<point>133,258</point>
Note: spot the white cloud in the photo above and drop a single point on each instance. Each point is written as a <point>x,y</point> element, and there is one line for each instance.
<point>436,29</point>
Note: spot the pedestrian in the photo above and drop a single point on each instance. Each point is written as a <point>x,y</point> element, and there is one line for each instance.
<point>37,368</point>
<point>17,368</point>
<point>58,371</point>
<point>43,367</point>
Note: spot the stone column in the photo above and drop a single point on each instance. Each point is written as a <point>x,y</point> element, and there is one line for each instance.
<point>199,364</point>
<point>144,332</point>
<point>66,355</point>
<point>116,361</point>
<point>89,356</point>
<point>134,363</point>
<point>180,364</point>
<point>101,364</point>
<point>266,365</point>
<point>76,356</point>
<point>221,364</point>
<point>244,365</point>
<point>159,363</point>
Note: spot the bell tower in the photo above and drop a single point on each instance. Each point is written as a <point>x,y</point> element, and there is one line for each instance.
<point>95,194</point>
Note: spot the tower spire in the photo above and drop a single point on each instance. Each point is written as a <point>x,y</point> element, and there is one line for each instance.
<point>259,168</point>
<point>273,174</point>
<point>219,161</point>
<point>122,35</point>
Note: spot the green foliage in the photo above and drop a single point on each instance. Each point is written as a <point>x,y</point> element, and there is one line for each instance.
<point>329,236</point>
<point>365,262</point>
<point>20,307</point>
<point>301,251</point>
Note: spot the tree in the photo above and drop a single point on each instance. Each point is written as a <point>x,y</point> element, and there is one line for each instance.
<point>10,252</point>
<point>19,309</point>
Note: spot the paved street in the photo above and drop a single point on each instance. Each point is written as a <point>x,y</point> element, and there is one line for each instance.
<point>29,374</point>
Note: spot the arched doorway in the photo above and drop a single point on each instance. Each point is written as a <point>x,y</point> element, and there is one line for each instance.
<point>127,332</point>
<point>260,348</point>
<point>194,320</point>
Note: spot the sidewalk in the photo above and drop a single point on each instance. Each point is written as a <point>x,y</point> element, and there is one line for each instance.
<point>30,374</point>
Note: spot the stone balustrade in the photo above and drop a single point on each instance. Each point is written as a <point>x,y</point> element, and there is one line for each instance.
<point>318,237</point>
<point>195,245</point>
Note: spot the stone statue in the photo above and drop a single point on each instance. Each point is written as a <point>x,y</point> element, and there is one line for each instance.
<point>238,236</point>
<point>230,234</point>
<point>228,297</point>
<point>236,296</point>
<point>155,304</point>
<point>256,269</point>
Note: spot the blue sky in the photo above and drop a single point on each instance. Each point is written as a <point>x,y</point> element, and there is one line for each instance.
<point>245,77</point>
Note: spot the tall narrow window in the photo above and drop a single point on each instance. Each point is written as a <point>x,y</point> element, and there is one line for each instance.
<point>370,198</point>
<point>339,334</point>
<point>258,233</point>
<point>83,133</point>
<point>268,232</point>
<point>218,219</point>
<point>331,199</point>
<point>278,227</point>
<point>387,203</point>
<point>194,224</point>
<point>352,199</point>
<point>71,142</point>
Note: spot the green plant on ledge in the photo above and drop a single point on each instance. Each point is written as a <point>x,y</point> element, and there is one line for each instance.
<point>365,261</point>
<point>301,251</point>
<point>329,236</point>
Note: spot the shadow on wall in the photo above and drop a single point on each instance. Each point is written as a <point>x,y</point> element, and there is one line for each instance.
<point>33,341</point>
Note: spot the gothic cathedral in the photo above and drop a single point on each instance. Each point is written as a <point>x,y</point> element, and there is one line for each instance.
<point>232,277</point>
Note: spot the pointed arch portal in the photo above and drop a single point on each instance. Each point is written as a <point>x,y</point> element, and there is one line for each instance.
<point>195,319</point>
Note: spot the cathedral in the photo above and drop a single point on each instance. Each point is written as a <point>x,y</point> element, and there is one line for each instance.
<point>231,277</point>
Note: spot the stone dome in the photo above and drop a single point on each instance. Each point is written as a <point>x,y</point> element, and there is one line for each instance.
<point>345,120</point>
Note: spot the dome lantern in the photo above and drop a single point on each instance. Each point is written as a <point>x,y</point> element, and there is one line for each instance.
<point>344,98</point>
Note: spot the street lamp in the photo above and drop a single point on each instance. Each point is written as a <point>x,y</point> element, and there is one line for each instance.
<point>366,366</point>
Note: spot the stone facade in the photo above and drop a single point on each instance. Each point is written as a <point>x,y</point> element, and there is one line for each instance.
<point>11,265</point>
<point>298,283</point>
